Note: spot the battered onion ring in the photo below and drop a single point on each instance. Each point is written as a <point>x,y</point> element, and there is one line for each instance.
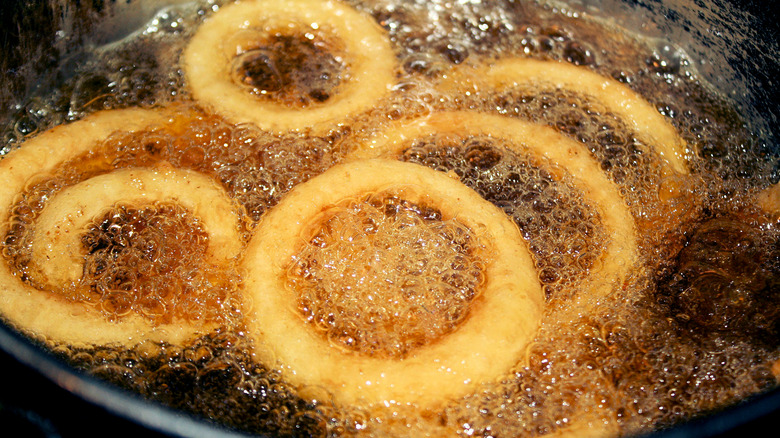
<point>610,271</point>
<point>482,348</point>
<point>769,201</point>
<point>207,62</point>
<point>57,251</point>
<point>51,317</point>
<point>649,125</point>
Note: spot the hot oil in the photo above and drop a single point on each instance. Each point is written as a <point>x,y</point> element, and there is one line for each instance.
<point>645,358</point>
<point>384,276</point>
<point>564,232</point>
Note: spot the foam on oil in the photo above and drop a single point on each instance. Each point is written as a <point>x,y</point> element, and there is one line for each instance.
<point>673,342</point>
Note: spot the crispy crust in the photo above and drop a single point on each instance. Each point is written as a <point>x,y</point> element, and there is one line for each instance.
<point>483,348</point>
<point>369,56</point>
<point>769,201</point>
<point>48,316</point>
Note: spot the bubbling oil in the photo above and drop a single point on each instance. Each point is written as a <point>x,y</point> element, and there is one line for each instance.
<point>383,276</point>
<point>294,70</point>
<point>649,356</point>
<point>563,231</point>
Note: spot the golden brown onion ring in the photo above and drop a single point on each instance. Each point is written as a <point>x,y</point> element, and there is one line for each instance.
<point>47,315</point>
<point>559,151</point>
<point>57,249</point>
<point>769,201</point>
<point>649,125</point>
<point>368,56</point>
<point>482,348</point>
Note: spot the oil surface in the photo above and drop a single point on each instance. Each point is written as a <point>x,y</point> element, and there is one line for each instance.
<point>695,328</point>
<point>383,276</point>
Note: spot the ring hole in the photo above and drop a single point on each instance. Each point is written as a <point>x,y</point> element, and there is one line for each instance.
<point>149,260</point>
<point>296,71</point>
<point>383,276</point>
<point>564,232</point>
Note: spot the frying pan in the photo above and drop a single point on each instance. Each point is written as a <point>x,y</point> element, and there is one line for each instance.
<point>735,45</point>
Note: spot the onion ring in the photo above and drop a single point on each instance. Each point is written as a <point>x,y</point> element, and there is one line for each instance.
<point>621,248</point>
<point>67,215</point>
<point>51,317</point>
<point>769,201</point>
<point>496,331</point>
<point>367,55</point>
<point>649,125</point>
